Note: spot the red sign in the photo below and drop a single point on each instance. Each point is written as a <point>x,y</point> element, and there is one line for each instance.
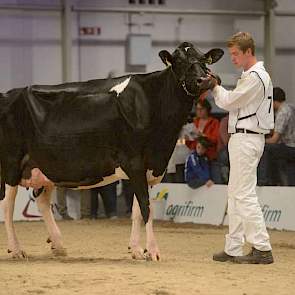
<point>83,31</point>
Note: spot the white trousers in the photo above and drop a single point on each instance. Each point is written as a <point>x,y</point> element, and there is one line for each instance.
<point>244,212</point>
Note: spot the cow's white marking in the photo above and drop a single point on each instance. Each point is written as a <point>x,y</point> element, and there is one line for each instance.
<point>120,174</point>
<point>186,48</point>
<point>120,87</point>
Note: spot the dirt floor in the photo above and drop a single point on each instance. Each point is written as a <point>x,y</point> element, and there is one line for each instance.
<point>98,262</point>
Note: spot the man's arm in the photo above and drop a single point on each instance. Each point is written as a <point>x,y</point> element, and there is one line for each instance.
<point>243,94</point>
<point>274,138</point>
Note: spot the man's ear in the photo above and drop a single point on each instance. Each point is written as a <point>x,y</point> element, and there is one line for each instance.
<point>213,55</point>
<point>166,57</point>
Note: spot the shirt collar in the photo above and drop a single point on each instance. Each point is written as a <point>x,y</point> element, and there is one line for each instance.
<point>258,65</point>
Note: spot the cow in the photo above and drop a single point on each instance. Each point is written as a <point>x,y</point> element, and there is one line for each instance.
<point>87,134</point>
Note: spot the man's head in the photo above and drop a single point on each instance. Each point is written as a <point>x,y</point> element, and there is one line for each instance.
<point>241,47</point>
<point>279,97</point>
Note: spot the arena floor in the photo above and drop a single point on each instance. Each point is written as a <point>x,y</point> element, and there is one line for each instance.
<point>98,262</point>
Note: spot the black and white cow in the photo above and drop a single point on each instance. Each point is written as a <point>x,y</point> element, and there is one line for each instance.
<point>92,133</point>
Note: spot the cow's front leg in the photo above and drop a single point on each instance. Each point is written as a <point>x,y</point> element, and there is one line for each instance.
<point>8,209</point>
<point>137,251</point>
<point>43,202</point>
<point>153,252</point>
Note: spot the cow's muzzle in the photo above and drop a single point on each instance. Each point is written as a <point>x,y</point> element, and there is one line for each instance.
<point>204,83</point>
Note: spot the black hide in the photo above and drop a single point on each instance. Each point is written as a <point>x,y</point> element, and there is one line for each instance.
<point>77,133</point>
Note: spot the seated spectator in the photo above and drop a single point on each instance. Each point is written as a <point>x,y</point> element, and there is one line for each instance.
<point>205,125</point>
<point>277,164</point>
<point>197,170</point>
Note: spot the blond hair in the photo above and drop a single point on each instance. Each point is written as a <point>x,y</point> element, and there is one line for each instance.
<point>243,40</point>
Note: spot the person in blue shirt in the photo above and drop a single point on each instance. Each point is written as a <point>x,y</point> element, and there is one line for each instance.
<point>197,170</point>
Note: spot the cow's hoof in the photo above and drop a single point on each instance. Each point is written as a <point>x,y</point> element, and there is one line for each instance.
<point>20,254</point>
<point>137,254</point>
<point>59,252</point>
<point>151,256</point>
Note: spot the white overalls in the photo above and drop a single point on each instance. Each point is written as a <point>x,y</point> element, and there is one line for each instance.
<point>250,108</point>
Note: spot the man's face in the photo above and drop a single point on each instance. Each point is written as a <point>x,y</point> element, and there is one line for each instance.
<point>238,58</point>
<point>276,105</point>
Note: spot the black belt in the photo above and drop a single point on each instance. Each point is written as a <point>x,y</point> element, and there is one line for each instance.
<point>242,130</point>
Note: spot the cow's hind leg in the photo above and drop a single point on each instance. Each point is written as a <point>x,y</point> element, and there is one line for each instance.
<point>137,251</point>
<point>8,208</point>
<point>43,202</point>
<point>152,248</point>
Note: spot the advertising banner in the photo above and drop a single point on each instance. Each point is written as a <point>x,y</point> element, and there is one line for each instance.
<point>183,204</point>
<point>277,205</point>
<point>26,207</point>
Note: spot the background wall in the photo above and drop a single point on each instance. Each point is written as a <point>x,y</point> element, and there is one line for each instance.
<point>30,42</point>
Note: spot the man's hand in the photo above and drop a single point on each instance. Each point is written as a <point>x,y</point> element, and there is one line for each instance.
<point>209,183</point>
<point>214,80</point>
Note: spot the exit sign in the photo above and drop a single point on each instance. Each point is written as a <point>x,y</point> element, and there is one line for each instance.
<point>89,31</point>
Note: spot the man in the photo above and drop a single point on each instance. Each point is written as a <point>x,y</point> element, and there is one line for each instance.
<point>250,118</point>
<point>280,147</point>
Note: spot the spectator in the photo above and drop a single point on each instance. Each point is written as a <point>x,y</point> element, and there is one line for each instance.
<point>128,193</point>
<point>72,204</point>
<point>206,125</point>
<point>197,171</point>
<point>222,149</point>
<point>275,166</point>
<point>109,197</point>
<point>61,200</point>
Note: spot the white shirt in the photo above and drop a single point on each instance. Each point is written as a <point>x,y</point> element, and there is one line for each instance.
<point>244,99</point>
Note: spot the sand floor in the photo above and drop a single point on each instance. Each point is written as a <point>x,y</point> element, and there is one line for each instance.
<point>98,262</point>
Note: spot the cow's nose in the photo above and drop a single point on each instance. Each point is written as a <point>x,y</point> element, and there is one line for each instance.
<point>202,80</point>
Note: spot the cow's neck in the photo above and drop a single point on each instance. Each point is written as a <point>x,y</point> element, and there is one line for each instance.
<point>171,106</point>
<point>174,103</point>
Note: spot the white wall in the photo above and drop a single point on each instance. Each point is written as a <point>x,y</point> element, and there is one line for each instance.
<point>30,42</point>
<point>285,49</point>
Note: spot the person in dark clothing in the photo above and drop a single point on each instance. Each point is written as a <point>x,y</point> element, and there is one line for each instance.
<point>128,193</point>
<point>197,169</point>
<point>109,197</point>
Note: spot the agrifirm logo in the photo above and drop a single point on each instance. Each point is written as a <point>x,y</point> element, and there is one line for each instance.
<point>188,209</point>
<point>271,215</point>
<point>161,195</point>
<point>27,207</point>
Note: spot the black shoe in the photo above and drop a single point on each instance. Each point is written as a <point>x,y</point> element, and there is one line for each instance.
<point>222,257</point>
<point>66,216</point>
<point>255,257</point>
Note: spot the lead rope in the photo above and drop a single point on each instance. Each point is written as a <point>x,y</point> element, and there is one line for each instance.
<point>185,89</point>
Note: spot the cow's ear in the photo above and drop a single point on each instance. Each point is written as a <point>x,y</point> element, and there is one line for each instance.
<point>213,55</point>
<point>166,57</point>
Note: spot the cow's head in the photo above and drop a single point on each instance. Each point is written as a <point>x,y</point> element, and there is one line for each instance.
<point>189,65</point>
